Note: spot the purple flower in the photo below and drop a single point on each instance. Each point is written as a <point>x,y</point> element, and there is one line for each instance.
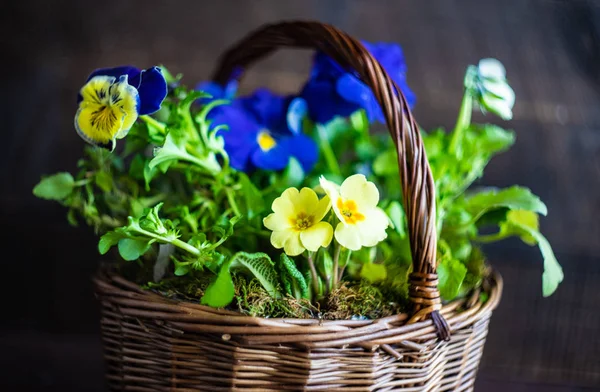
<point>333,91</point>
<point>264,130</point>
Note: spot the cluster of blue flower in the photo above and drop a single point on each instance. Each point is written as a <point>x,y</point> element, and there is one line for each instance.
<point>265,129</point>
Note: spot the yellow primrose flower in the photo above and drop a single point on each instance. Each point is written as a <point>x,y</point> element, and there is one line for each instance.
<point>296,221</point>
<point>362,223</point>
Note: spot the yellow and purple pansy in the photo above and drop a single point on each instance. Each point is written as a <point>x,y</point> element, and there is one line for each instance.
<point>113,98</point>
<point>263,129</point>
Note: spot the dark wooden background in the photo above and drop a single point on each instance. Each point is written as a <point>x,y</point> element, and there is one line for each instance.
<point>49,336</point>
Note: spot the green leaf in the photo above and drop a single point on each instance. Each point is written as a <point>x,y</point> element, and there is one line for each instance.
<point>220,292</point>
<point>386,163</point>
<point>293,175</point>
<point>104,181</point>
<point>451,274</point>
<point>359,121</point>
<point>182,268</point>
<point>525,225</point>
<point>132,249</point>
<point>491,138</point>
<point>373,272</point>
<point>108,240</point>
<point>253,201</point>
<point>261,267</point>
<point>296,284</point>
<point>396,214</point>
<point>55,187</point>
<point>514,198</point>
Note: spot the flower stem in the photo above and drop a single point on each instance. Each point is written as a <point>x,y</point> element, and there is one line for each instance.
<point>313,273</point>
<point>155,123</point>
<point>462,122</point>
<point>336,263</point>
<point>330,158</point>
<point>232,202</point>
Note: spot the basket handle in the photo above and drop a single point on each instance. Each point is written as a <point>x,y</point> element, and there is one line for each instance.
<point>418,189</point>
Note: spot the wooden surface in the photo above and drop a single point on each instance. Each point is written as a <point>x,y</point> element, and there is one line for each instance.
<point>550,49</point>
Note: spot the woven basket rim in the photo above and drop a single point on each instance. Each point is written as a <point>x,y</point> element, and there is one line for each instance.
<point>183,316</point>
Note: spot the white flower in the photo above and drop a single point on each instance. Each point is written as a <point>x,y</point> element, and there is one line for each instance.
<point>362,223</point>
<point>492,90</point>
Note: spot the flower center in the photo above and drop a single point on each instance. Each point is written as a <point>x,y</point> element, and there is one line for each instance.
<point>302,221</point>
<point>349,211</point>
<point>265,140</point>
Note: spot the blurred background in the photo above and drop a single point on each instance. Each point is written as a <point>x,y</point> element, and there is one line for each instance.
<point>49,334</point>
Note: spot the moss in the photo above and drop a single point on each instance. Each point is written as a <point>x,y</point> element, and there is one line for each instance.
<point>253,300</point>
<point>361,299</point>
<point>357,299</point>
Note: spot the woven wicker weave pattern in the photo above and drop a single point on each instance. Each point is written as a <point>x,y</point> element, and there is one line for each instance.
<point>157,344</point>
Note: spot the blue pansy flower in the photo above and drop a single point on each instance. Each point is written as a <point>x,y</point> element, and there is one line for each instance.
<point>264,130</point>
<point>332,91</point>
<point>113,98</point>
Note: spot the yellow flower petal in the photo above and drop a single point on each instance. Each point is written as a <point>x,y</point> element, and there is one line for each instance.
<point>276,222</point>
<point>321,209</point>
<point>306,201</point>
<point>363,192</point>
<point>372,229</point>
<point>316,236</point>
<point>289,240</point>
<point>332,190</point>
<point>283,205</point>
<point>348,236</point>
<point>293,246</point>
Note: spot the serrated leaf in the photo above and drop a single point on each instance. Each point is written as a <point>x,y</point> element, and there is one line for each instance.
<point>261,267</point>
<point>373,272</point>
<point>132,249</point>
<point>55,187</point>
<point>451,274</point>
<point>220,292</point>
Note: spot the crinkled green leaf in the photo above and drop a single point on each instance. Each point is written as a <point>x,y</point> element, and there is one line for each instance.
<point>451,274</point>
<point>55,187</point>
<point>261,267</point>
<point>295,284</point>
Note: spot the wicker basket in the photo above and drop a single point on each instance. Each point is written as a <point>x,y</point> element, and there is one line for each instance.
<point>153,343</point>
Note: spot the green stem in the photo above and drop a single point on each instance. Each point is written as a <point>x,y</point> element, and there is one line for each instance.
<point>155,123</point>
<point>462,122</point>
<point>344,258</point>
<point>490,237</point>
<point>82,182</point>
<point>232,202</point>
<point>330,158</point>
<point>336,263</point>
<point>313,273</point>
<point>174,241</point>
